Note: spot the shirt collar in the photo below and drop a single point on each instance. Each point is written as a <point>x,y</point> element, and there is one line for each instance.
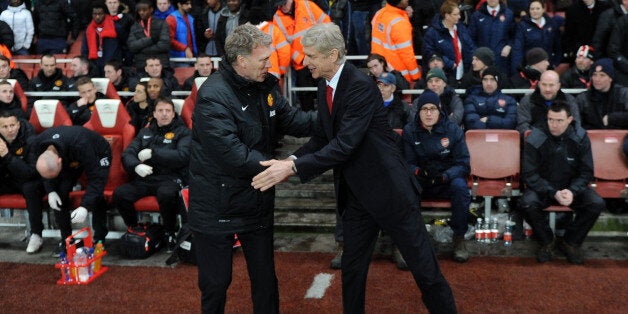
<point>334,80</point>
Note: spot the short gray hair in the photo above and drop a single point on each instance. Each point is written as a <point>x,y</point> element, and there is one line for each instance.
<point>243,40</point>
<point>324,38</point>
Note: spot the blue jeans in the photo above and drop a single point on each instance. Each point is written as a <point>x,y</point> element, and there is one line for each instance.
<point>458,193</point>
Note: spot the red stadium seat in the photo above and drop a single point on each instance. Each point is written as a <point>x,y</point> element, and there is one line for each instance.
<point>105,87</point>
<point>18,91</point>
<point>498,176</point>
<point>183,73</point>
<point>609,163</point>
<point>48,113</point>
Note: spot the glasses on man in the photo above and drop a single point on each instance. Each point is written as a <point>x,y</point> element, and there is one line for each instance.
<point>426,109</point>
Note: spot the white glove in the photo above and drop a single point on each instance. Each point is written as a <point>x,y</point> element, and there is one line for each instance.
<point>143,170</point>
<point>78,215</point>
<point>54,200</point>
<point>145,154</point>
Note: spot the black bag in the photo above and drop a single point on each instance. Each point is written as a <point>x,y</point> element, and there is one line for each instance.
<point>184,252</point>
<point>142,240</point>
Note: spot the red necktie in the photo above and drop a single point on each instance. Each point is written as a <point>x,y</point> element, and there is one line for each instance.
<point>457,48</point>
<point>330,92</point>
<point>493,12</point>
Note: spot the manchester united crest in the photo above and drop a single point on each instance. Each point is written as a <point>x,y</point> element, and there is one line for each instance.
<point>19,151</point>
<point>74,164</point>
<point>270,100</point>
<point>444,142</point>
<point>58,83</point>
<point>169,135</point>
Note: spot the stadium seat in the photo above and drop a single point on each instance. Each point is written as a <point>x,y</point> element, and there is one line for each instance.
<point>552,210</point>
<point>187,110</point>
<point>48,113</point>
<point>609,163</point>
<point>178,105</point>
<point>105,87</point>
<point>111,120</point>
<point>495,164</point>
<point>18,91</point>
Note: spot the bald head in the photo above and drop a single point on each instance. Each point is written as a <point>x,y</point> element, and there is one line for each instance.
<point>549,84</point>
<point>48,165</point>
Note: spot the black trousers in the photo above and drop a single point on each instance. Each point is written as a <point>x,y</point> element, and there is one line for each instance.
<point>406,227</point>
<point>166,191</point>
<point>588,205</point>
<point>214,259</point>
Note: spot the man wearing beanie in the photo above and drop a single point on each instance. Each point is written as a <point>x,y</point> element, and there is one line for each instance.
<point>537,62</point>
<point>579,75</point>
<point>450,103</point>
<point>483,57</point>
<point>488,107</point>
<point>605,104</point>
<point>391,37</point>
<point>438,156</point>
<point>532,109</point>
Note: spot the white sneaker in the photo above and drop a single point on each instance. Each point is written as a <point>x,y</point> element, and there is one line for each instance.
<point>34,244</point>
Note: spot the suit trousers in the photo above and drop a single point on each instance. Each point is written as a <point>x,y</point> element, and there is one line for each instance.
<point>214,259</point>
<point>588,205</point>
<point>405,226</point>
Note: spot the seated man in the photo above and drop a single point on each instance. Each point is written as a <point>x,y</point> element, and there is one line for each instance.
<point>61,155</point>
<point>438,156</point>
<point>8,101</point>
<point>6,72</point>
<point>204,67</point>
<point>532,109</point>
<point>80,68</point>
<point>123,79</point>
<point>154,69</point>
<point>80,111</point>
<point>15,136</point>
<point>487,107</point>
<point>557,167</point>
<point>605,104</point>
<point>579,75</point>
<point>528,74</point>
<point>159,156</point>
<point>450,103</point>
<point>50,78</point>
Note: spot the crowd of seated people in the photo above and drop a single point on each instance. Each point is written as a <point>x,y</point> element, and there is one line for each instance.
<point>486,49</point>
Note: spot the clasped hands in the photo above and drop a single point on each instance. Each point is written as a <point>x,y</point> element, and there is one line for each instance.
<point>564,197</point>
<point>430,177</point>
<point>278,171</point>
<point>78,215</point>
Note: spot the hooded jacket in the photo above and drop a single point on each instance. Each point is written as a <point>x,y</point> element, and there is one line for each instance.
<point>21,22</point>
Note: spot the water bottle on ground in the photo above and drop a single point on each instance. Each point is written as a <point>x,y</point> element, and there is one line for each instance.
<point>65,269</point>
<point>494,230</point>
<point>80,261</point>
<point>478,230</point>
<point>508,233</point>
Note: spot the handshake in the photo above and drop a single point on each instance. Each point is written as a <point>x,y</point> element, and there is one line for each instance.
<point>430,177</point>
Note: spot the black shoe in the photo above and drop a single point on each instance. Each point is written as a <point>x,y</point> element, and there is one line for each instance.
<point>172,242</point>
<point>545,253</point>
<point>573,253</point>
<point>461,254</point>
<point>58,249</point>
<point>336,262</point>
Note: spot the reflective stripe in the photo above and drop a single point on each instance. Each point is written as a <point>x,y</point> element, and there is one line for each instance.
<point>281,44</point>
<point>295,55</point>
<point>415,71</point>
<point>309,12</point>
<point>282,28</point>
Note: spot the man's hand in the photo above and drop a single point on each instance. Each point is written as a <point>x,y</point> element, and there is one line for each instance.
<point>145,154</point>
<point>564,197</point>
<point>143,170</point>
<point>506,51</point>
<point>78,215</point>
<point>4,150</point>
<point>54,200</point>
<point>484,119</point>
<point>81,102</point>
<point>277,172</point>
<point>189,53</point>
<point>605,120</point>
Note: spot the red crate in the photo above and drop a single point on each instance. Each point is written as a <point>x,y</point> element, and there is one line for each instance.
<point>73,268</point>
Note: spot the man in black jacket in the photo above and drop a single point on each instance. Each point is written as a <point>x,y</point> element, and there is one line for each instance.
<point>80,111</point>
<point>49,79</point>
<point>15,135</point>
<point>557,168</point>
<point>61,155</point>
<point>55,19</point>
<point>149,36</point>
<point>238,116</point>
<point>159,156</point>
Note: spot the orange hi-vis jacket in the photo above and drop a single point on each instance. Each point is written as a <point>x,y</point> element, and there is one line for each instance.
<point>306,14</point>
<point>280,57</point>
<point>392,38</point>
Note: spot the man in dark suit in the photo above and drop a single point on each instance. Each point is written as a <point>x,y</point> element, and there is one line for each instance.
<point>374,188</point>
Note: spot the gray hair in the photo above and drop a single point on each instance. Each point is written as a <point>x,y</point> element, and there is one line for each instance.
<point>324,38</point>
<point>243,40</point>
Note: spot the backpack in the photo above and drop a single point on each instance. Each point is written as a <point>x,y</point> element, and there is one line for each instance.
<point>142,241</point>
<point>184,251</point>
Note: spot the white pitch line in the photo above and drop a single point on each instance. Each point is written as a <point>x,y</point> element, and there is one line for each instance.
<point>320,284</point>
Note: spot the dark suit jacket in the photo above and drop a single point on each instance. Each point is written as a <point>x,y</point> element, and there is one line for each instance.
<point>358,143</point>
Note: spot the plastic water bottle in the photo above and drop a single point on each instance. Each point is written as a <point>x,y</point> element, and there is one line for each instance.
<point>508,233</point>
<point>494,230</point>
<point>527,230</point>
<point>97,252</point>
<point>65,267</point>
<point>486,231</point>
<point>80,261</point>
<point>478,230</point>
<point>91,258</point>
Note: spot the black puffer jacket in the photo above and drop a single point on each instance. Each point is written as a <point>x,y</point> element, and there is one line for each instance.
<point>158,44</point>
<point>170,145</point>
<point>51,18</point>
<point>605,23</point>
<point>236,125</point>
<point>594,106</point>
<point>13,165</point>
